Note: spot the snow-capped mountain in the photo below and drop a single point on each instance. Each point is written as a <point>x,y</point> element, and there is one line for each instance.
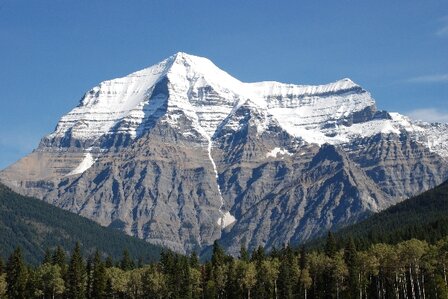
<point>181,153</point>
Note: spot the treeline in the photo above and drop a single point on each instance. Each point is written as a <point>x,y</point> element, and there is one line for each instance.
<point>410,269</point>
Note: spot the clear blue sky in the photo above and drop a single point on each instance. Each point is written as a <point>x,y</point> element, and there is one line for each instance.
<point>51,52</point>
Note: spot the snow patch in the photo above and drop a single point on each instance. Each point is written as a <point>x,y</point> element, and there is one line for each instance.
<point>278,151</point>
<point>85,164</point>
<point>226,220</point>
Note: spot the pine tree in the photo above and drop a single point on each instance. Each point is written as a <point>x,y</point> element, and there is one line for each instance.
<point>218,255</point>
<point>303,260</point>
<point>244,254</point>
<point>194,260</point>
<point>89,274</point>
<point>330,245</point>
<point>126,262</point>
<point>109,262</point>
<point>47,257</point>
<point>99,279</point>
<point>286,276</point>
<point>258,255</point>
<point>59,259</point>
<point>351,260</point>
<point>16,275</point>
<point>76,275</point>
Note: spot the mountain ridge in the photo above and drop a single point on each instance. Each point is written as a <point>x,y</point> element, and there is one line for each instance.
<point>181,154</point>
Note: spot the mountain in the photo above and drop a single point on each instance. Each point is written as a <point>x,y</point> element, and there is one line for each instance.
<point>423,217</point>
<point>181,154</point>
<point>35,225</point>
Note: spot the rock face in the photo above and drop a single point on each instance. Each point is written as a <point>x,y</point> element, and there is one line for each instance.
<point>181,154</point>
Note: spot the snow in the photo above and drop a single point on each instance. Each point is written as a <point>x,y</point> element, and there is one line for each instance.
<point>226,220</point>
<point>206,95</point>
<point>85,164</point>
<point>278,151</point>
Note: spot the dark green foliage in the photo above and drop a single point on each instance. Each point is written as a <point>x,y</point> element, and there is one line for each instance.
<point>35,225</point>
<point>16,275</point>
<point>330,245</point>
<point>351,260</point>
<point>411,269</point>
<point>424,217</point>
<point>218,255</point>
<point>244,254</point>
<point>126,262</point>
<point>59,259</point>
<point>99,279</point>
<point>109,262</point>
<point>47,257</point>
<point>76,275</point>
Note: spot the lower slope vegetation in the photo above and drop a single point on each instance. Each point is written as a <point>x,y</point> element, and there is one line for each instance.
<point>36,226</point>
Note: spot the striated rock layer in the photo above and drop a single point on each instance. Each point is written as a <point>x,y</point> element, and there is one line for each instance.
<point>181,154</point>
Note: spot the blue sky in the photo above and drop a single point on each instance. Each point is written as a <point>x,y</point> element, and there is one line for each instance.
<point>51,52</point>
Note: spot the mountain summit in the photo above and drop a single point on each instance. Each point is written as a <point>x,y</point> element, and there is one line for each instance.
<point>181,154</point>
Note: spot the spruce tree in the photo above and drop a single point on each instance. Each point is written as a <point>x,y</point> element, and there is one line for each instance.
<point>76,275</point>
<point>16,275</point>
<point>218,255</point>
<point>109,262</point>
<point>126,263</point>
<point>330,245</point>
<point>194,260</point>
<point>59,259</point>
<point>99,279</point>
<point>89,273</point>
<point>350,259</point>
<point>47,257</point>
<point>244,254</point>
<point>303,260</point>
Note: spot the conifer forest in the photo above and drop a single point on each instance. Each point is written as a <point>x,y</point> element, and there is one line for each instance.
<point>410,269</point>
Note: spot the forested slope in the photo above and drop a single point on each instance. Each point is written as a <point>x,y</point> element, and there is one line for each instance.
<point>423,217</point>
<point>35,226</point>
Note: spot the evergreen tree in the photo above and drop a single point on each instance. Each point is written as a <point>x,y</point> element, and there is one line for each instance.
<point>303,260</point>
<point>126,262</point>
<point>288,269</point>
<point>89,274</point>
<point>76,275</point>
<point>350,259</point>
<point>47,257</point>
<point>244,254</point>
<point>330,245</point>
<point>109,262</point>
<point>258,255</point>
<point>218,255</point>
<point>59,259</point>
<point>194,260</point>
<point>99,279</point>
<point>16,275</point>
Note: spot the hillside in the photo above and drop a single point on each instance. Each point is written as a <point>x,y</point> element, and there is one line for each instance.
<point>35,225</point>
<point>424,217</point>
